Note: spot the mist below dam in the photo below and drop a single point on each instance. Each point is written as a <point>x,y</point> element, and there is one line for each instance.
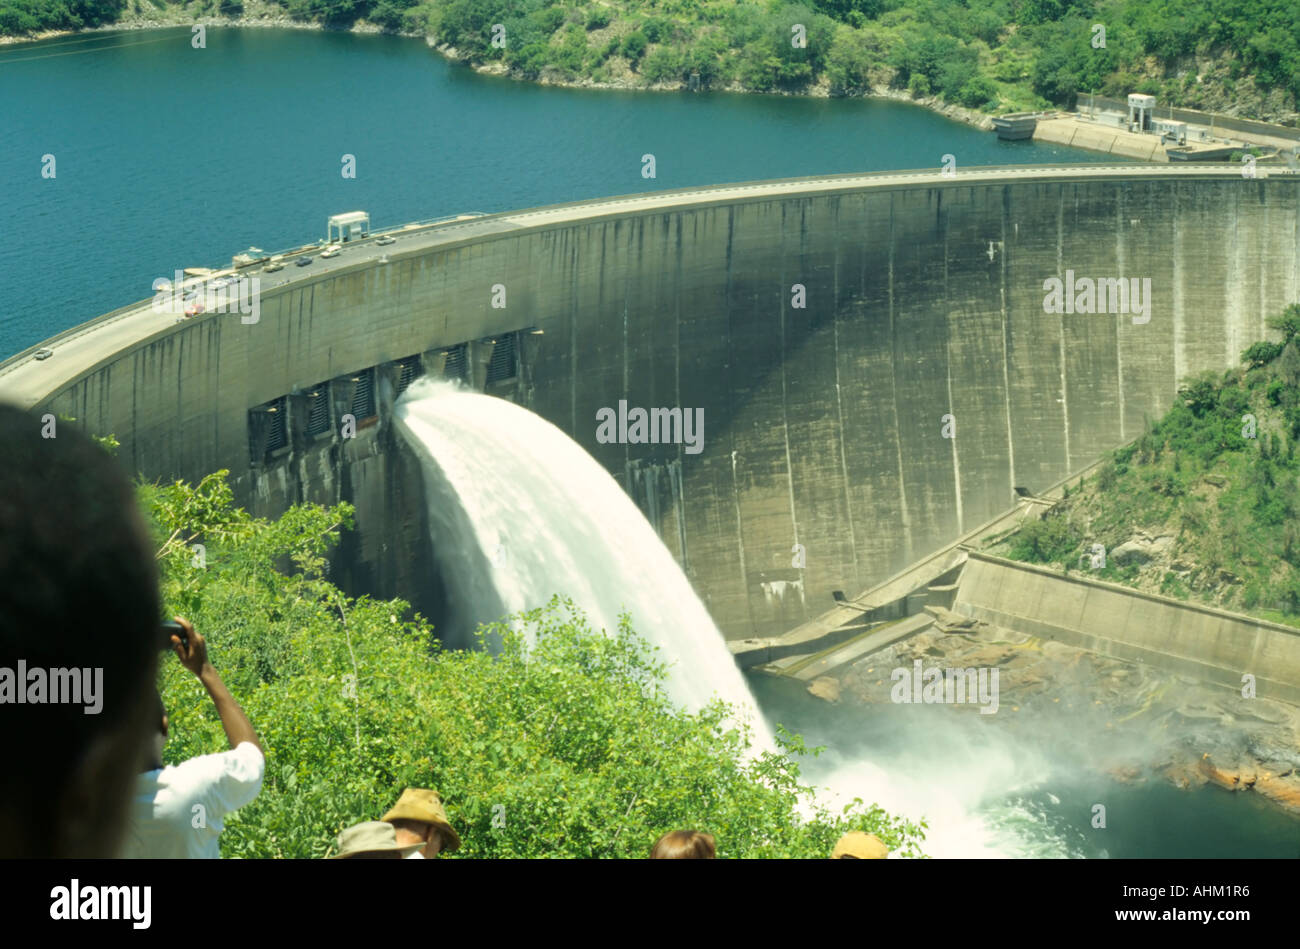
<point>519,513</point>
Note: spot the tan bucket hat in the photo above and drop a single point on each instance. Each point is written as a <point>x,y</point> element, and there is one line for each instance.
<point>372,836</point>
<point>857,845</point>
<point>421,804</point>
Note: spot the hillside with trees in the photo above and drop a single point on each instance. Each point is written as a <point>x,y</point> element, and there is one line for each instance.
<point>1205,505</point>
<point>18,17</point>
<point>1240,57</point>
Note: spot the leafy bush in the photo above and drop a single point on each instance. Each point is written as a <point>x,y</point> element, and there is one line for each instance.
<point>568,747</point>
<point>1200,394</point>
<point>606,51</point>
<point>1049,540</point>
<point>976,92</point>
<point>530,60</point>
<point>548,19</point>
<point>571,52</point>
<point>1261,353</point>
<point>663,65</point>
<point>634,45</point>
<point>466,24</point>
<point>391,14</point>
<point>1288,323</point>
<point>849,62</point>
<point>658,29</point>
<point>703,60</point>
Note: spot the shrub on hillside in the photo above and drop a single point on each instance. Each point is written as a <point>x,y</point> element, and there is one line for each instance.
<point>565,744</point>
<point>634,45</point>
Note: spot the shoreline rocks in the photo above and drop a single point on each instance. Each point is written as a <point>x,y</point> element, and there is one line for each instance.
<point>267,16</point>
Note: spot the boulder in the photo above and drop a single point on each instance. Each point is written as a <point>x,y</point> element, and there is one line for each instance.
<point>1231,779</point>
<point>1141,548</point>
<point>1283,791</point>
<point>948,621</point>
<point>825,688</point>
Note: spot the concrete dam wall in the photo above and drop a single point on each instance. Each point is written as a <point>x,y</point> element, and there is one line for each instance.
<point>1201,642</point>
<point>824,463</point>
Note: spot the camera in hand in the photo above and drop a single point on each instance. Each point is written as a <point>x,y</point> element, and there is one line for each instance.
<point>172,628</point>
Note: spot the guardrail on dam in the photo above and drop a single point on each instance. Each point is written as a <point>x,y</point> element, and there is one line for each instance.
<point>825,464</point>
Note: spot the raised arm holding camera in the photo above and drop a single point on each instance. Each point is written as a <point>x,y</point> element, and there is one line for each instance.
<point>179,810</point>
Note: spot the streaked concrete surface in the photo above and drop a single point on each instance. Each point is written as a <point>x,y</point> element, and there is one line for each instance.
<point>1199,641</point>
<point>823,424</point>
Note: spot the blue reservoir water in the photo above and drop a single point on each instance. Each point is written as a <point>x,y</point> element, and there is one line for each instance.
<point>166,156</point>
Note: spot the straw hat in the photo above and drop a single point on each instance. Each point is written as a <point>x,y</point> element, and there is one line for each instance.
<point>421,804</point>
<point>857,845</point>
<point>373,836</point>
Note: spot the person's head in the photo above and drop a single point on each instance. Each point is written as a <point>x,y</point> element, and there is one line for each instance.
<point>418,816</point>
<point>859,845</point>
<point>372,840</point>
<point>414,831</point>
<point>78,594</point>
<point>684,845</point>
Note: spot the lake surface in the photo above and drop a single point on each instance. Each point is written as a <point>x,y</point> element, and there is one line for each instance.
<point>169,157</point>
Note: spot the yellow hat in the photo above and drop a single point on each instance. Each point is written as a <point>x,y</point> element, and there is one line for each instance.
<point>857,845</point>
<point>421,804</point>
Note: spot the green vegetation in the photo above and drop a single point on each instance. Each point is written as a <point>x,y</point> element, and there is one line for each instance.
<point>27,16</point>
<point>1219,473</point>
<point>569,748</point>
<point>995,55</point>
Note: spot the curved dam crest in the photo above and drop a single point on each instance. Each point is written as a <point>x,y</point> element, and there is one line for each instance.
<point>824,425</point>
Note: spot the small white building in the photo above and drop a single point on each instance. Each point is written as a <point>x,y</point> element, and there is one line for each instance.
<point>1175,132</point>
<point>352,224</point>
<point>1141,110</point>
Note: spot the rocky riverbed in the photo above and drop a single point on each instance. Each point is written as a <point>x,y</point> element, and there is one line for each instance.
<point>1129,720</point>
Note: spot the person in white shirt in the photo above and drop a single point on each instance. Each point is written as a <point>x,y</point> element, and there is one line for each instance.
<point>179,810</point>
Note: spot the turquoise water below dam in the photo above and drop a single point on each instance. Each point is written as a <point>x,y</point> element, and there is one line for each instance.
<point>991,790</point>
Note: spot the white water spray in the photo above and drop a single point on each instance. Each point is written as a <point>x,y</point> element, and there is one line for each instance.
<point>529,514</point>
<point>521,512</point>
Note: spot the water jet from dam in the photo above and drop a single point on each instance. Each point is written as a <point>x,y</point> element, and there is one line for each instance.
<point>520,512</point>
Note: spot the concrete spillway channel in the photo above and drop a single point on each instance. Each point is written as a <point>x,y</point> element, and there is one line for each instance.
<point>960,587</point>
<point>906,604</point>
<point>834,331</point>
